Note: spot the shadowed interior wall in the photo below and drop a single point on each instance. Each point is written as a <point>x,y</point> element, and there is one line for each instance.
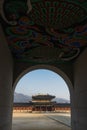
<point>6,72</point>
<point>79,118</point>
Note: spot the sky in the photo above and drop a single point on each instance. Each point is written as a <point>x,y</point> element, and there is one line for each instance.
<point>43,81</point>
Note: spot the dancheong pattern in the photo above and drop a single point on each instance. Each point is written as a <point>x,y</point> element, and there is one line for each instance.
<point>52,31</point>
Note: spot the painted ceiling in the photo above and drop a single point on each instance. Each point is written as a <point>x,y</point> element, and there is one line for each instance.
<point>43,31</point>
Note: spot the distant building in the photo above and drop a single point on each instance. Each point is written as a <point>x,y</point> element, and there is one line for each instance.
<point>42,103</point>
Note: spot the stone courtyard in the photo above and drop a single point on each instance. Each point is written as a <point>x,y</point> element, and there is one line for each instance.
<point>41,121</point>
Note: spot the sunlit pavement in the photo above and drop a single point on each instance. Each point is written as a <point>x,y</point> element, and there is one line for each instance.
<point>36,121</point>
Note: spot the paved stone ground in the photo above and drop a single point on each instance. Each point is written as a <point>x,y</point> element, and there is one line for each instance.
<point>63,118</point>
<point>36,121</point>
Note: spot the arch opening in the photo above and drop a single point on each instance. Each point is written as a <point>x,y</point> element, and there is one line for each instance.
<point>47,67</point>
<point>52,71</point>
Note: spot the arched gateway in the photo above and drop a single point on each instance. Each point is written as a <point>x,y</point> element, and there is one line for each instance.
<point>51,34</point>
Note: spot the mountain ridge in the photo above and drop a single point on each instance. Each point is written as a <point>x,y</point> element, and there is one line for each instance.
<point>22,98</point>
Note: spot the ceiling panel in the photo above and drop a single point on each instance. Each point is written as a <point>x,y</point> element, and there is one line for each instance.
<point>43,31</point>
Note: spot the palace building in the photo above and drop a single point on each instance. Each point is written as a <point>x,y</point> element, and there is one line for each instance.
<point>42,103</point>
